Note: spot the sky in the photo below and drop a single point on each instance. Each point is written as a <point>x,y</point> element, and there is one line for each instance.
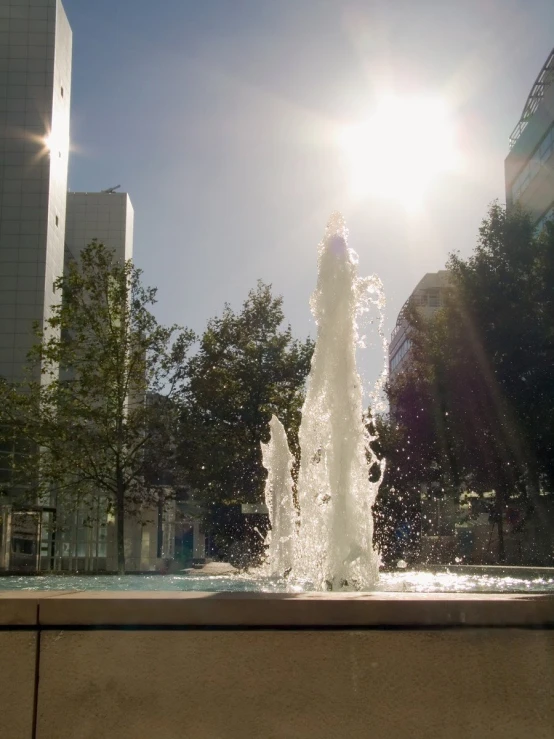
<point>221,119</point>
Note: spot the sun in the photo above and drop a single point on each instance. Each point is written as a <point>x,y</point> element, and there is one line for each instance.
<point>398,150</point>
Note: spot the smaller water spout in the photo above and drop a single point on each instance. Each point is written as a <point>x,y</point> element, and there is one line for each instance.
<point>278,462</point>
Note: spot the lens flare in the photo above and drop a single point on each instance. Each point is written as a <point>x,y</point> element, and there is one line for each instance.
<point>399,149</point>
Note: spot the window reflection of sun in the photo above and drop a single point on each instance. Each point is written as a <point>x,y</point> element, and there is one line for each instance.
<point>399,150</point>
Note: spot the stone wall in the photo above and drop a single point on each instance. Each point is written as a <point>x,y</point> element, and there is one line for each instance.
<point>224,666</point>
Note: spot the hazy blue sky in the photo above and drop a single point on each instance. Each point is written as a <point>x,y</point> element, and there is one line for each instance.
<point>219,117</point>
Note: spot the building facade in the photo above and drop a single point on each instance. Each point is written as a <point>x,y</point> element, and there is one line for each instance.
<point>105,216</point>
<point>85,538</point>
<point>35,94</point>
<point>42,226</point>
<point>428,296</point>
<point>529,167</point>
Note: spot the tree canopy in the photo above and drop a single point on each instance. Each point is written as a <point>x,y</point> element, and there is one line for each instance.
<point>476,400</point>
<point>247,367</point>
<point>93,424</point>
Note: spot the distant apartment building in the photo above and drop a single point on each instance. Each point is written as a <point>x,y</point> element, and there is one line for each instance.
<point>428,296</point>
<point>529,167</point>
<point>35,94</point>
<point>106,216</point>
<point>86,541</point>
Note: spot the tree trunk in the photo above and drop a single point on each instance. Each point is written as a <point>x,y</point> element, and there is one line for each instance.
<point>120,529</point>
<point>499,507</point>
<point>536,519</point>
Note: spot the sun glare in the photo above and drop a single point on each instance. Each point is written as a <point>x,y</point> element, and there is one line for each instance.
<point>56,140</point>
<point>400,149</point>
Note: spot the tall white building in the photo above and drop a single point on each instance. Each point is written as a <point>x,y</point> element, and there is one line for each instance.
<point>42,225</point>
<point>35,94</point>
<point>105,216</point>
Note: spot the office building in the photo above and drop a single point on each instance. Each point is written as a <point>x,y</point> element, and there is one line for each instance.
<point>84,541</point>
<point>41,226</point>
<point>35,94</point>
<point>106,216</point>
<point>529,167</point>
<point>428,296</point>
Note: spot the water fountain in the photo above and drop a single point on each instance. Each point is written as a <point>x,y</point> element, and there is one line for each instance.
<point>332,532</point>
<point>323,539</point>
<point>321,535</point>
<point>303,664</point>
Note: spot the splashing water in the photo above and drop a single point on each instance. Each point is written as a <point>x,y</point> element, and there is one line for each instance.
<point>278,461</point>
<point>333,544</point>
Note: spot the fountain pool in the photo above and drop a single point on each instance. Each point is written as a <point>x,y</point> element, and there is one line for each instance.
<point>457,579</point>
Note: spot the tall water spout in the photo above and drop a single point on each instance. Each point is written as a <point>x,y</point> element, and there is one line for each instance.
<point>278,461</point>
<point>334,547</point>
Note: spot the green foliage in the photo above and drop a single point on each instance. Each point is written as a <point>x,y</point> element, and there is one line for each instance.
<point>246,369</point>
<point>506,311</point>
<point>86,412</point>
<point>406,467</point>
<point>477,399</point>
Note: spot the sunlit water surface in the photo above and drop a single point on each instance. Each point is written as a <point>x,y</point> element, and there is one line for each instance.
<point>395,582</point>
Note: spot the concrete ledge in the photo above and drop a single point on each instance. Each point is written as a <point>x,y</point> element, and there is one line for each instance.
<point>388,684</point>
<point>17,683</point>
<point>18,609</point>
<point>259,610</point>
<point>21,607</point>
<point>127,665</point>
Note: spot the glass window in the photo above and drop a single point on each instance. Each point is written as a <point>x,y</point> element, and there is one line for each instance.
<point>548,216</point>
<point>400,353</point>
<point>542,153</point>
<point>23,546</point>
<point>544,147</point>
<point>547,152</point>
<point>434,298</point>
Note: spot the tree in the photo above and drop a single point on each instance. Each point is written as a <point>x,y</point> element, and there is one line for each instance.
<point>506,305</point>
<point>93,433</point>
<point>246,369</point>
<point>478,391</point>
<point>506,309</point>
<point>408,461</point>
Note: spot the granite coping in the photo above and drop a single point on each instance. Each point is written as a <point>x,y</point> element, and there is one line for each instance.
<point>20,608</point>
<point>99,609</point>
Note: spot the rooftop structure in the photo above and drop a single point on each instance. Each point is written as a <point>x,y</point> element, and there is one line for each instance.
<point>529,166</point>
<point>535,97</point>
